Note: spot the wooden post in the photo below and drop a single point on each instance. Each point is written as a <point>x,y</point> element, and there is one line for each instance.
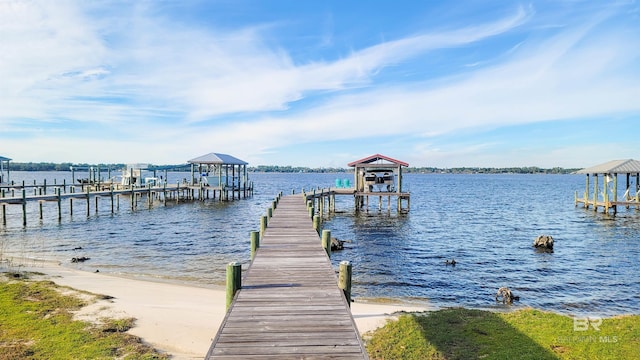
<point>326,241</point>
<point>595,192</point>
<point>24,205</point>
<point>316,223</point>
<point>586,193</point>
<point>255,243</point>
<point>59,194</point>
<point>269,212</point>
<point>605,191</point>
<point>4,210</point>
<point>344,280</point>
<point>88,200</point>
<point>111,194</point>
<point>263,225</point>
<point>234,281</point>
<point>164,191</point>
<point>615,192</point>
<point>149,195</point>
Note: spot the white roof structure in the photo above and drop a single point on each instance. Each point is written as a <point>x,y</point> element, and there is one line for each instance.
<point>217,158</point>
<point>627,166</point>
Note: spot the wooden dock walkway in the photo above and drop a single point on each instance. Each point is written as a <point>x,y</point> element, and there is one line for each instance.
<point>289,305</point>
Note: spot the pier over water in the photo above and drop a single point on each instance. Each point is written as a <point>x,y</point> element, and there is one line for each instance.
<point>289,305</point>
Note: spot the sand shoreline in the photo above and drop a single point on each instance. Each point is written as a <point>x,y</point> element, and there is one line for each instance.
<point>180,320</point>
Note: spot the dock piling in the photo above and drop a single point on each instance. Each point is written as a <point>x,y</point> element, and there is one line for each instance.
<point>234,280</point>
<point>316,223</point>
<point>326,241</point>
<point>344,279</point>
<point>24,206</point>
<point>255,243</point>
<point>263,225</point>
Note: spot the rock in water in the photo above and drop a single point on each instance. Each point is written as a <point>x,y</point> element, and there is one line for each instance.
<point>544,242</point>
<point>506,295</point>
<point>336,244</point>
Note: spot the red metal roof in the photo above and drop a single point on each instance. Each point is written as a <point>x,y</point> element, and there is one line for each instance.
<point>377,157</point>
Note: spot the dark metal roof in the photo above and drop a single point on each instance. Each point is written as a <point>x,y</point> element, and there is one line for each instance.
<point>377,157</point>
<point>217,158</point>
<point>2,158</point>
<point>627,166</point>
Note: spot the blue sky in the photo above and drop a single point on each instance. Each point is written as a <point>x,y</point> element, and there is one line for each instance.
<point>323,83</point>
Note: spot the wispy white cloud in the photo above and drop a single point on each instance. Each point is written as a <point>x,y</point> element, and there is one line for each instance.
<point>581,71</point>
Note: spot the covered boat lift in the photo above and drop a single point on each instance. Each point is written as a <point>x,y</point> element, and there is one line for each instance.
<point>223,172</point>
<point>608,196</point>
<point>379,175</point>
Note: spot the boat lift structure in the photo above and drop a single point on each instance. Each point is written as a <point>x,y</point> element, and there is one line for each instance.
<point>223,172</point>
<point>379,175</point>
<point>607,197</point>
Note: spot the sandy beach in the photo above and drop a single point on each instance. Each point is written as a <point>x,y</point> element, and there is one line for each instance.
<point>176,319</point>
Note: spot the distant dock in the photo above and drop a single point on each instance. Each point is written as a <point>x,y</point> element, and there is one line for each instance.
<point>21,194</point>
<point>606,195</point>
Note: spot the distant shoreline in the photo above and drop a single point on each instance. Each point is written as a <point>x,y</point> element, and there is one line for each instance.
<point>30,166</point>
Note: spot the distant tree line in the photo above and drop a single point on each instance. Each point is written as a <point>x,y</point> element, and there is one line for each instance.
<point>423,170</point>
<point>43,166</point>
<point>489,170</point>
<point>294,169</point>
<point>46,166</point>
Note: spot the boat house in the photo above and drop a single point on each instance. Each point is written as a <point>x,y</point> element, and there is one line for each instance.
<point>611,195</point>
<point>379,175</point>
<point>4,170</point>
<point>223,172</point>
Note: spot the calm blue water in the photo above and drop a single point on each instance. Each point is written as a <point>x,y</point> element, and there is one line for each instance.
<point>487,223</point>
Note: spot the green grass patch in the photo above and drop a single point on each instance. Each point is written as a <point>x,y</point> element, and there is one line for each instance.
<point>36,322</point>
<point>524,334</point>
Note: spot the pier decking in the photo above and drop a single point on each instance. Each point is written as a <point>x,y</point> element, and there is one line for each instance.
<point>289,305</point>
